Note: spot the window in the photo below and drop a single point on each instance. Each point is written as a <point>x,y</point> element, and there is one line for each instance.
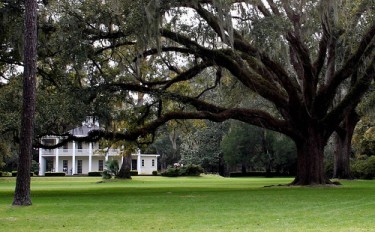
<point>65,147</point>
<point>134,164</point>
<point>79,166</point>
<point>79,146</point>
<point>49,142</point>
<point>49,165</point>
<point>143,163</point>
<point>101,165</point>
<point>65,166</point>
<point>153,163</point>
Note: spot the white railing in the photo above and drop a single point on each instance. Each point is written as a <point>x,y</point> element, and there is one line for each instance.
<point>80,152</point>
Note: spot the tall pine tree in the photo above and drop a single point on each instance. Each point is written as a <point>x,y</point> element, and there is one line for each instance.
<point>22,191</point>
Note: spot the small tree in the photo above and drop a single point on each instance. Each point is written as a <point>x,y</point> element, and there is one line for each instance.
<point>112,169</point>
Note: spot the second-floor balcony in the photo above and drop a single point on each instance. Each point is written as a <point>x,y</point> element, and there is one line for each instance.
<point>80,152</point>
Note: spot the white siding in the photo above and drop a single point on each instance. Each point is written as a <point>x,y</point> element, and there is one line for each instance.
<point>66,153</point>
<point>147,169</point>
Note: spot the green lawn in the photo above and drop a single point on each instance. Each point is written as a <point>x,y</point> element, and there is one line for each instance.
<point>208,203</point>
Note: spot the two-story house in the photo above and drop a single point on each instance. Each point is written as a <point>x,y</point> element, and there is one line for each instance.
<point>81,158</point>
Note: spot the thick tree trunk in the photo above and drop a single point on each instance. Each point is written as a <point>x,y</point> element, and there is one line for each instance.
<point>22,191</point>
<point>343,147</point>
<point>341,164</point>
<point>124,172</point>
<point>310,157</point>
<point>243,168</point>
<point>221,165</point>
<point>265,151</point>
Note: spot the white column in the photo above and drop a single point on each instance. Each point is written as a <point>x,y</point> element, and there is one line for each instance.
<point>90,156</point>
<point>139,162</point>
<point>74,158</point>
<point>42,163</point>
<point>57,157</point>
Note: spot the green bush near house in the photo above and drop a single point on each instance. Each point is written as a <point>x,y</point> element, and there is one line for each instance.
<point>171,172</point>
<point>188,170</point>
<point>112,169</point>
<point>154,173</point>
<point>191,170</point>
<point>8,174</point>
<point>95,173</point>
<point>106,175</point>
<point>134,173</point>
<point>14,173</point>
<point>35,167</point>
<point>54,174</point>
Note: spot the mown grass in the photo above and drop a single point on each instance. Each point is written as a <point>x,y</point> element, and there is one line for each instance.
<point>208,203</point>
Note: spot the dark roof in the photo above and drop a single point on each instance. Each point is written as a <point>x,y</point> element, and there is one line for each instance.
<point>83,130</point>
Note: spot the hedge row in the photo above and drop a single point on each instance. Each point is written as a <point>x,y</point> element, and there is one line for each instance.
<point>54,174</point>
<point>14,173</point>
<point>134,173</point>
<point>95,173</point>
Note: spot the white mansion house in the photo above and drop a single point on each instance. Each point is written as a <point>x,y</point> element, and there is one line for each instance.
<point>81,158</point>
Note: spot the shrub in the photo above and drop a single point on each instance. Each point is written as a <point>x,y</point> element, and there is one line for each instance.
<point>6,174</point>
<point>364,168</point>
<point>106,175</point>
<point>14,173</point>
<point>189,170</point>
<point>112,167</point>
<point>95,173</point>
<point>133,173</point>
<point>154,173</point>
<point>171,172</point>
<point>1,174</point>
<point>54,174</point>
<point>35,167</point>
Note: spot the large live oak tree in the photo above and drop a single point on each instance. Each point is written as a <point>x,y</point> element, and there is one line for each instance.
<point>302,84</point>
<point>296,55</point>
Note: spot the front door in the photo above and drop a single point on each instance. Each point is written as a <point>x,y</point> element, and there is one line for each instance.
<point>79,166</point>
<point>49,164</point>
<point>65,166</point>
